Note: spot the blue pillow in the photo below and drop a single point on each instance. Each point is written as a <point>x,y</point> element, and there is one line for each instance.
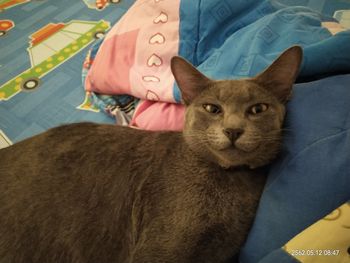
<point>312,175</point>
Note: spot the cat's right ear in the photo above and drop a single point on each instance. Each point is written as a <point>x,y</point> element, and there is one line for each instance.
<point>190,81</point>
<point>279,77</point>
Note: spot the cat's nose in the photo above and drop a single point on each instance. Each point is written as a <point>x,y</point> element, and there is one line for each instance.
<point>233,134</point>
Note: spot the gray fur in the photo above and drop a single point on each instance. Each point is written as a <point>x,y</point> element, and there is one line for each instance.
<point>101,193</point>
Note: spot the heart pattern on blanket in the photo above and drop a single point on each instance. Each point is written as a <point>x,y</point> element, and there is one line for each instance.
<point>152,96</point>
<point>157,39</point>
<point>162,18</point>
<point>154,60</point>
<point>150,79</point>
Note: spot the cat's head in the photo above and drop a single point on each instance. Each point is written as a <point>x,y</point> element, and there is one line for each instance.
<point>237,122</point>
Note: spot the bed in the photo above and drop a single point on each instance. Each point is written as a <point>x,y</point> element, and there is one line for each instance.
<point>56,68</point>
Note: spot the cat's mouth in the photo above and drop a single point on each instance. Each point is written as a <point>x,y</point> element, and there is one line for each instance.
<point>235,154</point>
<point>246,146</point>
<point>238,146</point>
<point>230,153</point>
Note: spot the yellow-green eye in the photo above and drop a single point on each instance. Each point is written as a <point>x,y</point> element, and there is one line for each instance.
<point>212,108</point>
<point>258,108</point>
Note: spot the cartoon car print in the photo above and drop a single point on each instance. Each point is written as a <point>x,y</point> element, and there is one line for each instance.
<point>88,104</point>
<point>50,47</point>
<point>6,4</point>
<point>5,25</point>
<point>99,4</point>
<point>4,140</point>
<point>343,16</point>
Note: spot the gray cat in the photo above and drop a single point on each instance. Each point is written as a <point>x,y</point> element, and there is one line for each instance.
<point>100,193</point>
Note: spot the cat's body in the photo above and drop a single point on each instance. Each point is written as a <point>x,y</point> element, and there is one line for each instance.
<point>179,206</point>
<point>100,193</point>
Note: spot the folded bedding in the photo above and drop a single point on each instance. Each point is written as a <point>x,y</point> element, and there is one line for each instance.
<point>224,39</point>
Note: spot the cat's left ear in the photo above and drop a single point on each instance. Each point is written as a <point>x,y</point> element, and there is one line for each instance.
<point>190,81</point>
<point>280,76</point>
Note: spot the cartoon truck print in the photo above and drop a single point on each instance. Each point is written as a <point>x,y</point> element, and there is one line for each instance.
<point>50,47</point>
<point>6,4</point>
<point>5,26</point>
<point>343,16</point>
<point>99,4</point>
<point>4,140</point>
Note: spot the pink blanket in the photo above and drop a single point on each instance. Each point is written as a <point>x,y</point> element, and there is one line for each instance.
<point>134,59</point>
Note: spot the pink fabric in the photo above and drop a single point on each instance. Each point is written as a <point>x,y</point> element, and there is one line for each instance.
<point>118,53</point>
<point>156,116</point>
<point>134,59</point>
<point>135,55</point>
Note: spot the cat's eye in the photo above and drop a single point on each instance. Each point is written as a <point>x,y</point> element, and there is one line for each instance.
<point>212,108</point>
<point>258,108</point>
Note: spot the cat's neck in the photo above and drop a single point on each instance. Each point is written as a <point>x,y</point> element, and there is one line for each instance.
<point>199,159</point>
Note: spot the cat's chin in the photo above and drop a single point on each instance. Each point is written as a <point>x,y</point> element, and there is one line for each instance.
<point>225,164</point>
<point>246,147</point>
<point>237,157</point>
<point>227,158</point>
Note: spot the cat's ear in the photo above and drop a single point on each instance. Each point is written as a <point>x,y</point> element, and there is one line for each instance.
<point>280,76</point>
<point>190,81</point>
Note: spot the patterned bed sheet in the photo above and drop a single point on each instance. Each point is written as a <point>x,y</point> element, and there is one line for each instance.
<point>43,45</point>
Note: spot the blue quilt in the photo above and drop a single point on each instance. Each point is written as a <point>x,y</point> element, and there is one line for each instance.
<point>310,178</point>
<point>228,39</point>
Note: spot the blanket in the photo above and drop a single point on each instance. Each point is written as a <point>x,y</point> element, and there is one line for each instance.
<point>223,39</point>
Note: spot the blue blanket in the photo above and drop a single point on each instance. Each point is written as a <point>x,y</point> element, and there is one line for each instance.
<point>226,39</point>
